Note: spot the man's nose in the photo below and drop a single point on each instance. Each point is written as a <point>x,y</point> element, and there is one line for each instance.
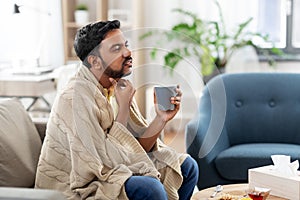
<point>126,52</point>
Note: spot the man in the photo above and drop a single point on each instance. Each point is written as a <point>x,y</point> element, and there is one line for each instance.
<point>91,153</point>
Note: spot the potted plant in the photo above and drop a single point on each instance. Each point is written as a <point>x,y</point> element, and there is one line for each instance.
<point>81,14</point>
<point>209,41</point>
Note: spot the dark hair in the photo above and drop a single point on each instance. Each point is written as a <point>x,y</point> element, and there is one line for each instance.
<point>90,36</point>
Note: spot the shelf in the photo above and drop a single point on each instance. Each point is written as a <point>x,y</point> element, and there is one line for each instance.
<point>72,25</point>
<point>72,58</point>
<point>98,10</point>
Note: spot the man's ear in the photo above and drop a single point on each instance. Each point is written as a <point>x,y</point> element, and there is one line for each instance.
<point>94,61</point>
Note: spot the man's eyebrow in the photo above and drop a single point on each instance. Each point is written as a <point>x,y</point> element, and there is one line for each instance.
<point>120,44</point>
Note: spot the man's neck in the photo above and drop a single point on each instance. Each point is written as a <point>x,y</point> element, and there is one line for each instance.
<point>104,81</point>
<point>102,78</point>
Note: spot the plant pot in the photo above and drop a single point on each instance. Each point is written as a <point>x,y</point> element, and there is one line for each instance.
<point>216,72</point>
<point>81,17</point>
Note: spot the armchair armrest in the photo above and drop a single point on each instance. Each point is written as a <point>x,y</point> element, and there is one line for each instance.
<point>206,134</point>
<point>204,149</point>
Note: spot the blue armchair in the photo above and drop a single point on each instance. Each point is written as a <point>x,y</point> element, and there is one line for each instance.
<point>243,119</point>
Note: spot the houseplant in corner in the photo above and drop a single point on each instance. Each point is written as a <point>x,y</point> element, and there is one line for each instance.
<point>209,41</point>
<point>81,14</point>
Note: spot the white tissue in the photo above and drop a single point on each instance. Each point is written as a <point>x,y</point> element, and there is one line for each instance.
<point>283,165</point>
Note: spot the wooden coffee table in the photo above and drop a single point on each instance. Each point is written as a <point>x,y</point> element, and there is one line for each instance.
<point>233,189</point>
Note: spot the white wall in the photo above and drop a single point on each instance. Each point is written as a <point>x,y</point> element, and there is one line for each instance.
<point>55,41</point>
<point>30,34</point>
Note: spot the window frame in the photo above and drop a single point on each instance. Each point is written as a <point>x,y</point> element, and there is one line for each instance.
<point>290,53</point>
<point>289,32</point>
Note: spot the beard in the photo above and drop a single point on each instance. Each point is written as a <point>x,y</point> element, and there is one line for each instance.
<point>115,74</point>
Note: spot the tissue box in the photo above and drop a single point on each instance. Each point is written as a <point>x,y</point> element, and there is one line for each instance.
<point>267,177</point>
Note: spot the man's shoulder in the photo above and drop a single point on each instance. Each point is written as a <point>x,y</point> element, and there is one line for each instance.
<point>80,85</point>
<point>80,90</point>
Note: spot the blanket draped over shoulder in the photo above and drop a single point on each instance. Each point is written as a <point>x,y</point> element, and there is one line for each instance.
<point>88,155</point>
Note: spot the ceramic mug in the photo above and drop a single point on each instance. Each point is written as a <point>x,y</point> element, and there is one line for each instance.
<point>163,97</point>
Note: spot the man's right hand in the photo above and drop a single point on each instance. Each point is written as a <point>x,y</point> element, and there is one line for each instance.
<point>124,92</point>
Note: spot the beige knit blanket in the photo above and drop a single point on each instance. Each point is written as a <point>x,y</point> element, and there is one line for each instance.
<point>87,155</point>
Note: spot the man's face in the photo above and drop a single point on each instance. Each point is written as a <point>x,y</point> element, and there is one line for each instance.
<point>115,55</point>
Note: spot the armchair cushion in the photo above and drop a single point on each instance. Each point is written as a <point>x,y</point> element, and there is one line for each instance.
<point>234,162</point>
<point>20,145</point>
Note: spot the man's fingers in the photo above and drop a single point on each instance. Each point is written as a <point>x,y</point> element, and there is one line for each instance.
<point>176,100</point>
<point>113,81</point>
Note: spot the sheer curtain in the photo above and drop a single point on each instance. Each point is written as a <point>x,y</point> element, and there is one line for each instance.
<point>296,20</point>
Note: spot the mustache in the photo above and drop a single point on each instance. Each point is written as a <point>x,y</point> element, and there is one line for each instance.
<point>128,60</point>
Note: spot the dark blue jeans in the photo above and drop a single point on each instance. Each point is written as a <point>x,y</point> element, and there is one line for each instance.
<point>149,188</point>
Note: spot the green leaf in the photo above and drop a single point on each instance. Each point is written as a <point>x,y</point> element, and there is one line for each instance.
<point>242,26</point>
<point>207,61</point>
<point>146,35</point>
<point>186,52</point>
<point>172,59</point>
<point>277,51</point>
<point>186,13</point>
<point>153,53</point>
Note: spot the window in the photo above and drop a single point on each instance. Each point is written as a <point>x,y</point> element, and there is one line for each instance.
<point>295,25</point>
<point>280,20</point>
<point>277,18</point>
<point>272,21</point>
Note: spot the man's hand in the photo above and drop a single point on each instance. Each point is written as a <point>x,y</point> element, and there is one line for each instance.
<point>157,125</point>
<point>169,114</point>
<point>124,92</point>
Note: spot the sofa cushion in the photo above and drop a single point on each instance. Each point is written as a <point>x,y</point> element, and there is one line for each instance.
<point>13,193</point>
<point>20,145</point>
<point>234,162</point>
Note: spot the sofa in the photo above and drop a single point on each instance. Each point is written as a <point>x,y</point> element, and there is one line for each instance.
<point>242,120</point>
<point>20,145</point>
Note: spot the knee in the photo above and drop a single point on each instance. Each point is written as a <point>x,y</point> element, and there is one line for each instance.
<point>190,168</point>
<point>195,167</point>
<point>144,187</point>
<point>154,189</point>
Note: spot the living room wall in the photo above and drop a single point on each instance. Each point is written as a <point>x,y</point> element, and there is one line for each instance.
<point>31,33</point>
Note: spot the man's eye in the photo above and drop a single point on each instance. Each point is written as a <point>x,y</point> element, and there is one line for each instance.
<point>116,48</point>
